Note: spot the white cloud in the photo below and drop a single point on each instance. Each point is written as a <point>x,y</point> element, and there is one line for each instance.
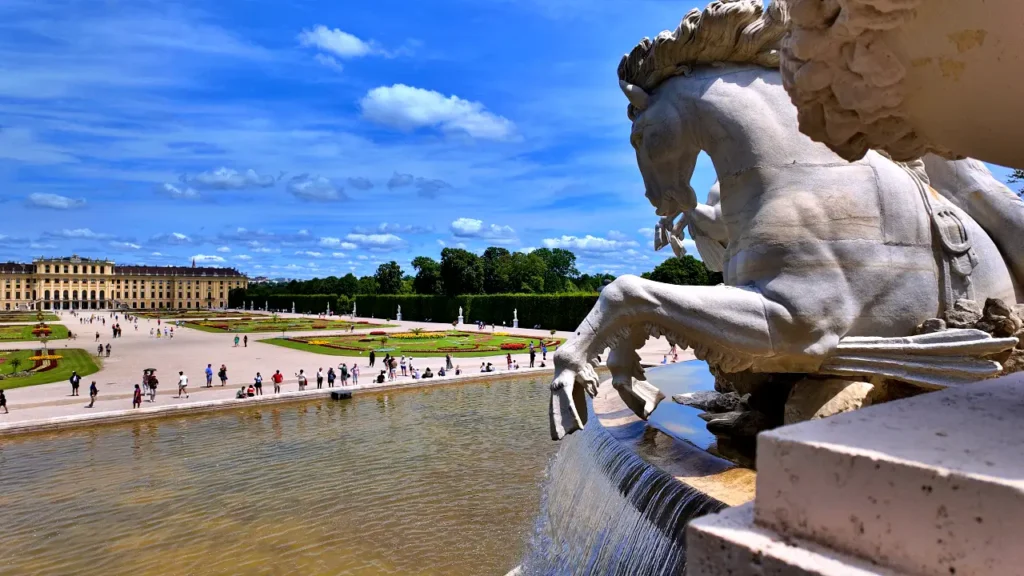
<point>178,193</point>
<point>315,188</point>
<point>425,187</point>
<point>407,108</point>
<point>329,242</point>
<point>155,254</point>
<point>265,250</point>
<point>243,257</point>
<point>471,228</point>
<point>77,234</point>
<point>55,201</point>
<point>227,179</point>
<point>125,245</point>
<point>337,255</point>
<point>374,241</point>
<point>309,253</point>
<point>589,243</point>
<point>223,249</point>
<point>329,61</point>
<point>528,249</point>
<point>616,235</point>
<point>206,258</point>
<point>441,243</point>
<point>335,41</point>
<point>646,232</point>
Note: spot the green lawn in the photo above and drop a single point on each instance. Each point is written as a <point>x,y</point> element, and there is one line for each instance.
<point>428,344</point>
<point>185,314</point>
<point>26,317</point>
<point>71,359</point>
<point>268,324</point>
<point>23,332</point>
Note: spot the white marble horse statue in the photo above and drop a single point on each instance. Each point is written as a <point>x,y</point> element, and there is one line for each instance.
<point>829,265</point>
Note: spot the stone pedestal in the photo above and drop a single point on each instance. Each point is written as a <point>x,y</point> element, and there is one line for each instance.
<point>460,319</point>
<point>515,323</point>
<point>399,317</point>
<point>930,485</point>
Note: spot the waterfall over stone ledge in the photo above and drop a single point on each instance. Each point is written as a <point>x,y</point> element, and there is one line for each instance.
<point>606,511</point>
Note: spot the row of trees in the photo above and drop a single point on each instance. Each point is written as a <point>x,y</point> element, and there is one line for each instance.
<point>497,271</point>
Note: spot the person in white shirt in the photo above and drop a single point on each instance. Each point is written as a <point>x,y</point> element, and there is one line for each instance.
<point>182,384</point>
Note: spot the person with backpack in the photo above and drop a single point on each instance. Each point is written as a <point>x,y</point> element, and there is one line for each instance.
<point>331,375</point>
<point>75,381</point>
<point>344,374</point>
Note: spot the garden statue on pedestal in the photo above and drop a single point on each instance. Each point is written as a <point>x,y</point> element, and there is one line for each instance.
<point>354,313</point>
<point>399,315</point>
<point>460,315</point>
<point>515,318</point>
<point>293,307</point>
<point>831,268</point>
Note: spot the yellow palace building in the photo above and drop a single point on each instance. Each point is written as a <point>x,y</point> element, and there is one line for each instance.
<point>82,283</point>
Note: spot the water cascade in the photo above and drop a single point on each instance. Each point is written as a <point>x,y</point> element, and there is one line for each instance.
<point>606,511</point>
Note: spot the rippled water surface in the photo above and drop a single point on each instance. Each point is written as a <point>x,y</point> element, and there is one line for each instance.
<point>439,481</point>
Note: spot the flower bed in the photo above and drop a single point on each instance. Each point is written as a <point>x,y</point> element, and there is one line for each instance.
<point>420,336</point>
<point>378,333</point>
<point>513,346</point>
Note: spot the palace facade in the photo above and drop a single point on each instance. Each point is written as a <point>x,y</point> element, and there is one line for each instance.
<point>83,283</point>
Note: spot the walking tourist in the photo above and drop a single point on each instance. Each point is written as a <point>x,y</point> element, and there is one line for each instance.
<point>182,384</point>
<point>153,382</point>
<point>75,381</point>
<point>108,349</point>
<point>277,378</point>
<point>533,356</point>
<point>99,350</point>
<point>245,340</point>
<point>93,393</point>
<point>448,361</point>
<point>258,382</point>
<point>301,377</point>
<point>331,375</point>
<point>236,340</point>
<point>373,358</point>
<point>223,374</point>
<point>508,358</point>
<point>137,398</point>
<point>543,351</point>
<point>3,402</point>
<point>355,374</point>
<point>319,378</point>
<point>209,375</point>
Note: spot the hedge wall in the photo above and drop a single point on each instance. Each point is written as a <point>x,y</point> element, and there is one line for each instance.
<point>304,303</point>
<point>558,311</point>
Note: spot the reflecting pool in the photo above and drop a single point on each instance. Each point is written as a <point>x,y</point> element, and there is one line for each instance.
<point>433,481</point>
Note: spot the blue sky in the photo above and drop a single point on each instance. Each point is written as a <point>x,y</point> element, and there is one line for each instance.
<point>311,138</point>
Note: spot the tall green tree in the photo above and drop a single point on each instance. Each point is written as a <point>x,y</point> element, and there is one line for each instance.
<point>389,278</point>
<point>526,273</point>
<point>367,285</point>
<point>461,272</point>
<point>686,271</point>
<point>560,268</point>
<point>496,262</point>
<point>348,285</point>
<point>428,276</point>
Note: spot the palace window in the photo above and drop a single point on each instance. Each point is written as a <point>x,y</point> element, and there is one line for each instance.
<point>47,267</point>
<point>76,269</point>
<point>65,268</point>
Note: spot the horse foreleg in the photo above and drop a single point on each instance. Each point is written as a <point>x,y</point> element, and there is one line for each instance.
<point>628,375</point>
<point>727,326</point>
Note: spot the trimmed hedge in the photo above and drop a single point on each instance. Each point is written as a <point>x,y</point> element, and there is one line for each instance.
<point>304,303</point>
<point>550,311</point>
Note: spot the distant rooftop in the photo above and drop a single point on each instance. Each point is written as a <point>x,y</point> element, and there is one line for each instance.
<point>177,271</point>
<point>16,268</point>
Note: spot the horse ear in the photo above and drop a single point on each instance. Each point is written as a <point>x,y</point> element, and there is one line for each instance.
<point>636,95</point>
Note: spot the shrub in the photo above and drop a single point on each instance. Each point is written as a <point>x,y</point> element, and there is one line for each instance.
<point>552,311</point>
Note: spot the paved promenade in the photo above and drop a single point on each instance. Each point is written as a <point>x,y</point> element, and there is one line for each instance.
<point>191,350</point>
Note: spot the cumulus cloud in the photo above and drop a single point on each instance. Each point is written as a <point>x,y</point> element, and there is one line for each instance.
<point>374,241</point>
<point>55,201</point>
<point>243,257</point>
<point>425,187</point>
<point>175,238</point>
<point>360,183</point>
<point>646,232</point>
<point>77,234</point>
<point>338,255</point>
<point>408,108</point>
<point>177,192</point>
<point>616,235</point>
<point>337,42</point>
<point>125,245</point>
<point>309,253</point>
<point>386,227</point>
<point>330,242</point>
<point>315,189</point>
<point>207,259</point>
<point>329,61</point>
<point>223,249</point>
<point>589,243</point>
<point>227,179</point>
<point>265,250</point>
<point>472,228</point>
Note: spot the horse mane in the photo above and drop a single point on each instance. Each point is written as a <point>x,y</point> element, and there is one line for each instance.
<point>737,31</point>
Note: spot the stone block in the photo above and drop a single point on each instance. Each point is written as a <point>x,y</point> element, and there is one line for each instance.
<point>930,485</point>
<point>730,544</point>
<point>814,398</point>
